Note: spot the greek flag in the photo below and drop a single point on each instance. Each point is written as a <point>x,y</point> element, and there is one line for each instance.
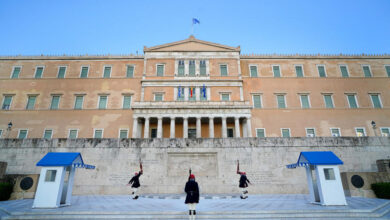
<point>204,91</point>
<point>179,92</point>
<point>195,21</point>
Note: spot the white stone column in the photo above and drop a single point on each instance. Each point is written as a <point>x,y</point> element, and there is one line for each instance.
<point>185,127</point>
<point>249,127</point>
<point>211,127</point>
<point>241,94</point>
<point>146,128</point>
<point>186,67</point>
<point>198,128</point>
<point>244,129</point>
<point>135,127</point>
<point>237,127</point>
<point>172,127</point>
<point>208,94</point>
<point>159,127</point>
<point>224,128</point>
<point>197,93</point>
<point>197,63</point>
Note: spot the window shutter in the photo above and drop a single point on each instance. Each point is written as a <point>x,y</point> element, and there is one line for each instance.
<point>79,102</point>
<point>276,70</point>
<point>47,134</point>
<point>257,101</point>
<point>61,72</point>
<point>102,102</point>
<point>367,72</point>
<point>126,102</point>
<point>191,69</point>
<point>16,72</point>
<point>281,103</point>
<point>98,133</point>
<point>388,70</point>
<point>352,101</point>
<point>305,101</point>
<point>223,69</point>
<point>22,134</point>
<point>375,101</point>
<point>73,134</point>
<point>299,71</point>
<point>123,134</point>
<point>107,72</point>
<point>160,70</point>
<point>321,71</point>
<point>344,71</point>
<point>84,72</point>
<point>38,73</point>
<point>286,133</point>
<point>385,132</point>
<point>253,71</point>
<point>328,101</point>
<point>55,102</point>
<point>260,133</point>
<point>31,102</point>
<point>202,67</point>
<point>7,102</point>
<point>130,72</point>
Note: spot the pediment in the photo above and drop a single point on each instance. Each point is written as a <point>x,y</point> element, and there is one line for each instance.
<point>192,45</point>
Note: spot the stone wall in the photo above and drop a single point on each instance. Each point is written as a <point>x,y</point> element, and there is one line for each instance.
<point>213,161</point>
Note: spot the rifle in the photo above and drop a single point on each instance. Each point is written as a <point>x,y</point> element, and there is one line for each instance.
<point>238,167</point>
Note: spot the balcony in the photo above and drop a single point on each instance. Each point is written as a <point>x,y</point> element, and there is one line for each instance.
<point>192,105</point>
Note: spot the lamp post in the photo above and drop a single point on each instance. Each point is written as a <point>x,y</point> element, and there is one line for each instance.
<point>373,127</point>
<point>9,129</point>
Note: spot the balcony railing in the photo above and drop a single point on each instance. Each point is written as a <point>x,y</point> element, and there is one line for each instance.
<point>192,104</point>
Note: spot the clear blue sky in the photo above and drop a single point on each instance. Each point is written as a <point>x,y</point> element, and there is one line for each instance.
<point>121,27</point>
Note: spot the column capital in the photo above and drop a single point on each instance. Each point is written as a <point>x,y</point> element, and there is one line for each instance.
<point>159,117</point>
<point>172,117</point>
<point>237,117</point>
<point>135,117</point>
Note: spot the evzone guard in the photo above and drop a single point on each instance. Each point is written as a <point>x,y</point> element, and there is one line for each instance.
<point>192,198</point>
<point>243,182</point>
<point>134,181</point>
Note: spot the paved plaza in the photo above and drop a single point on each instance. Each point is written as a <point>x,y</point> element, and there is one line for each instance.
<point>210,207</point>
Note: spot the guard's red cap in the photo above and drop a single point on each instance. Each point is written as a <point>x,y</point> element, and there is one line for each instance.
<point>192,176</point>
<point>243,173</point>
<point>135,173</point>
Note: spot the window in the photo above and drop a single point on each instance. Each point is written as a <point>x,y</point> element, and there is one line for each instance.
<point>376,101</point>
<point>191,68</point>
<point>158,97</point>
<point>230,132</point>
<point>107,72</point>
<point>22,134</point>
<point>360,132</point>
<point>78,104</point>
<point>253,70</point>
<point>7,102</point>
<point>15,72</point>
<point>160,69</point>
<point>344,71</point>
<point>180,94</point>
<point>256,101</point>
<point>385,132</point>
<point>335,132</point>
<point>180,68</point>
<point>61,72</point>
<point>38,72</point>
<point>310,132</point>
<point>103,102</point>
<point>126,101</point>
<point>328,101</point>
<point>321,70</point>
<point>225,97</point>
<point>387,70</point>
<point>305,103</point>
<point>299,70</point>
<point>47,134</point>
<point>153,133</point>
<point>276,70</point>
<point>223,69</point>
<point>203,93</point>
<point>329,174</point>
<point>352,101</point>
<point>73,133</point>
<point>50,175</point>
<point>191,94</point>
<point>123,133</point>
<point>285,132</point>
<point>55,102</point>
<point>281,101</point>
<point>84,72</point>
<point>191,133</point>
<point>260,132</point>
<point>31,102</point>
<point>98,133</point>
<point>367,71</point>
<point>202,67</point>
<point>130,71</point>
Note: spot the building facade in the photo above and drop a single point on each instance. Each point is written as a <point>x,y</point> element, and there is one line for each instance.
<point>194,89</point>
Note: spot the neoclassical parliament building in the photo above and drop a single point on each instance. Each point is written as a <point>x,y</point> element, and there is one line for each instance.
<point>194,89</point>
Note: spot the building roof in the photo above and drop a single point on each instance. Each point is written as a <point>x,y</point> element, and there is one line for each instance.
<point>316,158</point>
<point>192,44</point>
<point>59,159</point>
